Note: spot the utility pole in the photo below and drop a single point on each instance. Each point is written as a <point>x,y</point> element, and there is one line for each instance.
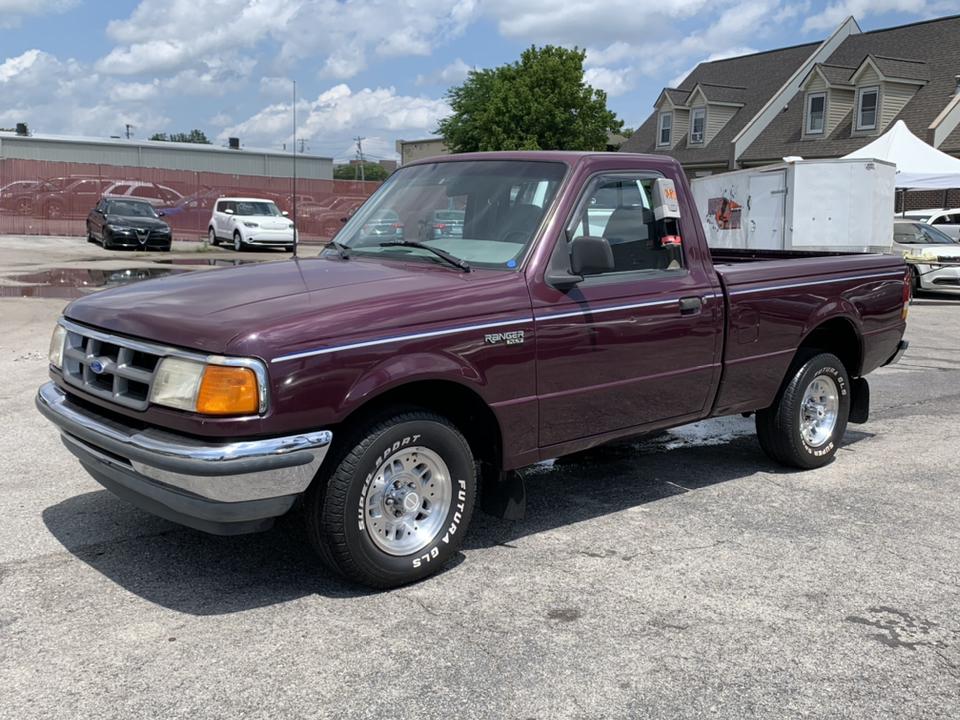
<point>295,229</point>
<point>129,129</point>
<point>303,145</point>
<point>360,140</point>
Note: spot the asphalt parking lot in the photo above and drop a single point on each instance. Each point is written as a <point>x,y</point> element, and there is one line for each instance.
<point>680,576</point>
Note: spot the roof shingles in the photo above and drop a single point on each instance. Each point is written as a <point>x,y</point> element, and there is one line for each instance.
<point>934,57</point>
<point>761,74</point>
<point>926,52</point>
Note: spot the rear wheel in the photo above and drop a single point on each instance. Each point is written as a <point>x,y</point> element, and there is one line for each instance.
<point>396,502</point>
<point>804,426</point>
<point>214,240</point>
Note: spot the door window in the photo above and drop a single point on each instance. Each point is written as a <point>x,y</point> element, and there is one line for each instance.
<point>618,209</point>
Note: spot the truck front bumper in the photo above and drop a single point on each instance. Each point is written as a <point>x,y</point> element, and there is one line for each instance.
<point>226,489</point>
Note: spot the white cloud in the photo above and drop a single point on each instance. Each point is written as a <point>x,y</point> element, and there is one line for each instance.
<point>13,11</point>
<point>168,35</point>
<point>134,91</point>
<point>338,114</point>
<point>613,81</point>
<point>836,12</point>
<point>591,24</point>
<point>64,96</point>
<point>453,74</point>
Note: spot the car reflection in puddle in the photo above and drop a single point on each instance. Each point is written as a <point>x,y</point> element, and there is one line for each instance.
<point>70,283</point>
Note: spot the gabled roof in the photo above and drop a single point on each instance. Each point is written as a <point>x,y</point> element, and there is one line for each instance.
<point>725,94</point>
<point>928,47</point>
<point>677,97</point>
<point>834,75</point>
<point>894,68</point>
<point>758,77</point>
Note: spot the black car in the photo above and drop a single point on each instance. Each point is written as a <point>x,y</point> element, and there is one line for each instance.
<point>128,223</point>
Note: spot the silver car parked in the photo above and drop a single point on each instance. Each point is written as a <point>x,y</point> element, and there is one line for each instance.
<point>917,242</point>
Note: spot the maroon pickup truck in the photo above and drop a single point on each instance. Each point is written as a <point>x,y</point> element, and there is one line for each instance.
<point>390,384</point>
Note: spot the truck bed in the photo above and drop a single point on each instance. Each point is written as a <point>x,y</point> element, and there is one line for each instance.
<point>775,298</point>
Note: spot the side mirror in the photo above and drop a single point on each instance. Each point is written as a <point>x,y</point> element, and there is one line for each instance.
<point>285,213</point>
<point>229,211</point>
<point>161,213</point>
<point>590,256</point>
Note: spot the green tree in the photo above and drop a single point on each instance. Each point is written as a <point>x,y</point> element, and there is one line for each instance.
<point>371,171</point>
<point>194,136</point>
<point>538,103</point>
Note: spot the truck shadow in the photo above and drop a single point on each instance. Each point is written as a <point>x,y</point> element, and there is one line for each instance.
<point>199,574</point>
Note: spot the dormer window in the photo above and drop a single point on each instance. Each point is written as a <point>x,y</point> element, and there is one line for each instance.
<point>698,122</point>
<point>868,99</point>
<point>665,129</point>
<point>816,113</point>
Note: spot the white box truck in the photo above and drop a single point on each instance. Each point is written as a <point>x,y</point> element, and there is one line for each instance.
<point>819,205</point>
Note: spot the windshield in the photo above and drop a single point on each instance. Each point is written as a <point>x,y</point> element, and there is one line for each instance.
<point>483,211</point>
<point>128,208</point>
<point>920,234</point>
<point>256,208</point>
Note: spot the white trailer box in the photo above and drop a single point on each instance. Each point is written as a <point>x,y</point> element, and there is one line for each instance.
<point>820,205</point>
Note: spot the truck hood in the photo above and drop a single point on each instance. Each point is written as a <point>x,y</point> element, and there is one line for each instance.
<point>265,309</point>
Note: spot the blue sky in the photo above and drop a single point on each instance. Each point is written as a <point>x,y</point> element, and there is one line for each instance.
<point>377,69</point>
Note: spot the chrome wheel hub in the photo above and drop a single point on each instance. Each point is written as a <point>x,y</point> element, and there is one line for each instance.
<point>407,501</point>
<point>819,410</point>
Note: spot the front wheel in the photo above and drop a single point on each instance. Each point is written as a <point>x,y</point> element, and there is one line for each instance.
<point>238,243</point>
<point>804,426</point>
<point>396,502</point>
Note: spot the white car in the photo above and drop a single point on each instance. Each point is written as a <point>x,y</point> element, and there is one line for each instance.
<point>946,220</point>
<point>918,242</point>
<point>249,222</point>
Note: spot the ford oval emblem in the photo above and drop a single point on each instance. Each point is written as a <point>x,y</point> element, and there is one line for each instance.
<point>96,366</point>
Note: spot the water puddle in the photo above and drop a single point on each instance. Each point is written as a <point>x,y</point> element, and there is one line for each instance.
<point>70,283</point>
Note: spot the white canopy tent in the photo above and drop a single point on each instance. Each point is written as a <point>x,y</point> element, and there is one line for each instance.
<point>919,166</point>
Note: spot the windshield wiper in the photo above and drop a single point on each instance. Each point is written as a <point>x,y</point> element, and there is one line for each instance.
<point>443,254</point>
<point>342,250</point>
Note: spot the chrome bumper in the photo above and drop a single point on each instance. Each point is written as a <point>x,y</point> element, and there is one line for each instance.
<point>232,482</point>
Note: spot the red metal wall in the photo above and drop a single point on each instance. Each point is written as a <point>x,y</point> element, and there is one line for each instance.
<point>53,198</point>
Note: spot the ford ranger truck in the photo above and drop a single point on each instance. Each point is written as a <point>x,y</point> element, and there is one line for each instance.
<point>390,385</point>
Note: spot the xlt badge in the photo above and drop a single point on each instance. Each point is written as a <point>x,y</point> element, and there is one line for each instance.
<point>512,337</point>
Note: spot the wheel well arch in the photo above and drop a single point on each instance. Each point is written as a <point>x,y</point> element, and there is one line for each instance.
<point>838,336</point>
<point>462,405</point>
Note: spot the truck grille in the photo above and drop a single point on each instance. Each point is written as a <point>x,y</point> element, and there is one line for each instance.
<point>109,367</point>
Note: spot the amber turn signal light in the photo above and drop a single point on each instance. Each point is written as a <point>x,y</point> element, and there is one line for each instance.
<point>228,391</point>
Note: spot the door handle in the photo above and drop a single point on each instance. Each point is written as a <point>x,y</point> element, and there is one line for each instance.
<point>690,305</point>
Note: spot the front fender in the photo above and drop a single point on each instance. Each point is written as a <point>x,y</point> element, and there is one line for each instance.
<point>400,370</point>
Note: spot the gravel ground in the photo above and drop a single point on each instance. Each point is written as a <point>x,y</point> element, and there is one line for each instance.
<point>683,576</point>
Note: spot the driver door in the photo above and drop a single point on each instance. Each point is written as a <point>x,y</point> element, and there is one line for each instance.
<point>631,347</point>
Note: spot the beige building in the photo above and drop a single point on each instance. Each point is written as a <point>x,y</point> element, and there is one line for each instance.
<point>411,150</point>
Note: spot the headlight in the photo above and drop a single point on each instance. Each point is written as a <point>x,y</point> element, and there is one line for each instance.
<point>209,388</point>
<point>57,341</point>
<point>176,382</point>
<point>250,224</point>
